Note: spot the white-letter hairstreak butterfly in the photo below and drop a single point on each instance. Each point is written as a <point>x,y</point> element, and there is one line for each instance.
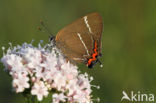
<point>80,41</point>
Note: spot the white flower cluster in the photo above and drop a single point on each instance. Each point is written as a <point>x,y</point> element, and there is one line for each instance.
<point>43,70</point>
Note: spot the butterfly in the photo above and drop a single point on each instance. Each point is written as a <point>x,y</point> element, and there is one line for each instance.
<point>80,41</point>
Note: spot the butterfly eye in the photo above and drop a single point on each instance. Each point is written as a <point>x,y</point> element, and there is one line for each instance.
<point>51,38</point>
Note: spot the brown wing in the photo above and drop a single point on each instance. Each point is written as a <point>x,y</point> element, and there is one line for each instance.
<point>76,40</point>
<point>96,24</point>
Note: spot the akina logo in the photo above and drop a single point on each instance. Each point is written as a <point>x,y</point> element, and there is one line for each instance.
<point>137,97</point>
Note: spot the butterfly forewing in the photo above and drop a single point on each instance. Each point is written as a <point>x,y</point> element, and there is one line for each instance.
<point>76,40</point>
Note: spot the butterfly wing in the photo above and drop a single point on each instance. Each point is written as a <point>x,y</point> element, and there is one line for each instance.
<point>76,40</point>
<point>96,24</point>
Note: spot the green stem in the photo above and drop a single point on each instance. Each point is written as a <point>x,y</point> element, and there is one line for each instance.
<point>30,99</point>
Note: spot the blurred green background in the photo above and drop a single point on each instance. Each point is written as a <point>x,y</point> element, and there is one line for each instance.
<point>129,41</point>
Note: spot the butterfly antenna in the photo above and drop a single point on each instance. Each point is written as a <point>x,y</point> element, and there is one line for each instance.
<point>47,30</point>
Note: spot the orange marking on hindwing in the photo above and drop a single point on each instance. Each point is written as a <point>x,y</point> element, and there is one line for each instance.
<point>94,55</point>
